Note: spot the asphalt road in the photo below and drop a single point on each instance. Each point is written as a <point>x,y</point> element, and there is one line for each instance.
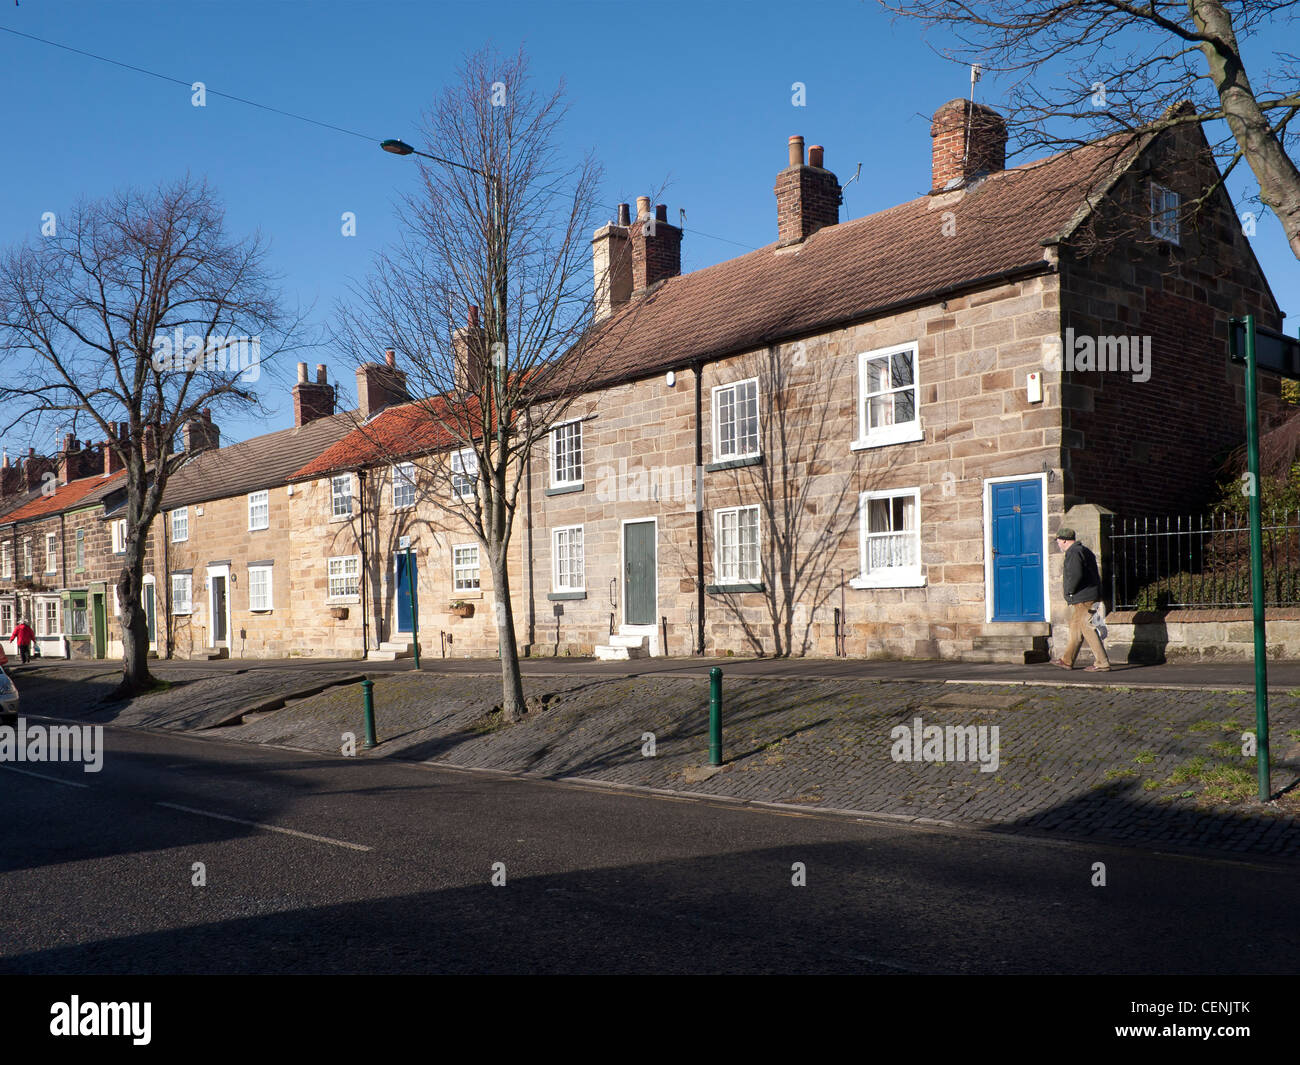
<point>368,866</point>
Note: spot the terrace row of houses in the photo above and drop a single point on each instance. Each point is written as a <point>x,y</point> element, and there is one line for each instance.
<point>856,440</point>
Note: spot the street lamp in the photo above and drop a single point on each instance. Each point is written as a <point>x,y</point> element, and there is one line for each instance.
<point>498,264</point>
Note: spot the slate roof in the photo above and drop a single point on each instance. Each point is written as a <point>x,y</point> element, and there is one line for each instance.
<point>81,492</point>
<point>853,270</point>
<point>265,461</point>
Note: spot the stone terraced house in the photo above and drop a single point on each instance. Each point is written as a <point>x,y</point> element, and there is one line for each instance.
<point>60,551</point>
<point>229,537</point>
<point>857,440</point>
<point>384,547</point>
<point>861,438</point>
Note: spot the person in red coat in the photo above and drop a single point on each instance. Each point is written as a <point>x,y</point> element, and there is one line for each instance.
<point>23,637</point>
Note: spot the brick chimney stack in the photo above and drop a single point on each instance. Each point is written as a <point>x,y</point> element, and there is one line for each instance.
<point>200,433</point>
<point>656,246</point>
<point>75,462</point>
<point>611,263</point>
<point>380,385</point>
<point>35,467</point>
<point>312,399</point>
<point>969,140</point>
<point>807,196</point>
<point>9,476</point>
<point>469,351</point>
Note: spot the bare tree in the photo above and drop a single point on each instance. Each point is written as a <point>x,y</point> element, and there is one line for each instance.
<point>138,309</point>
<point>501,222</point>
<point>1081,69</point>
<point>807,499</point>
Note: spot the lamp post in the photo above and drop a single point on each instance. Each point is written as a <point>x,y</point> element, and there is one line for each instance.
<point>497,335</point>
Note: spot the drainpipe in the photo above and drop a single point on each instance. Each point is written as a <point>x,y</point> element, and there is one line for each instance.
<point>528,528</point>
<point>699,507</point>
<point>365,568</point>
<point>167,578</point>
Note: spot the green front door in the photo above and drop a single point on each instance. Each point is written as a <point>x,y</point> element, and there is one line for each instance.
<point>149,613</point>
<point>639,591</point>
<point>100,624</point>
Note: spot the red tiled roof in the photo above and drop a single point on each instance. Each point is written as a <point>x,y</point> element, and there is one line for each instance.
<point>410,429</point>
<point>83,490</point>
<point>852,270</point>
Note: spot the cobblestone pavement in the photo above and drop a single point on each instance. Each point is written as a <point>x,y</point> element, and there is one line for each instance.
<point>1159,767</point>
<point>1156,767</point>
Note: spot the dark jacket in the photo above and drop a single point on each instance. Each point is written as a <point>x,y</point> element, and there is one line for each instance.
<point>1081,579</point>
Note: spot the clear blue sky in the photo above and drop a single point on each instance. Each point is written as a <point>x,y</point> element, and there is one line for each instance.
<point>696,94</point>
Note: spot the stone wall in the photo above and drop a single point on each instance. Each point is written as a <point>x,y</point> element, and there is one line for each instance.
<point>219,536</point>
<point>432,530</point>
<point>639,447</point>
<point>1225,635</point>
<point>1153,446</point>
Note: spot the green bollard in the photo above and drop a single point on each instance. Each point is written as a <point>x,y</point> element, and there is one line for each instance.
<point>715,716</point>
<point>368,705</point>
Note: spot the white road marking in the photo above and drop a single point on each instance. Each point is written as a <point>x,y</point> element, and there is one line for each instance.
<point>268,828</point>
<point>43,776</point>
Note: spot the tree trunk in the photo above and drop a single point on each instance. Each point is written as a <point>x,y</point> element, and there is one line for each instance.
<point>1277,174</point>
<point>512,681</point>
<point>135,633</point>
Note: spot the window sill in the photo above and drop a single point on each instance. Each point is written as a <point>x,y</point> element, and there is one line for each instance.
<point>910,435</point>
<point>734,464</point>
<point>727,589</point>
<point>260,528</point>
<point>263,610</point>
<point>339,518</point>
<point>182,613</point>
<point>564,489</point>
<point>889,580</point>
<point>556,596</point>
<point>343,600</point>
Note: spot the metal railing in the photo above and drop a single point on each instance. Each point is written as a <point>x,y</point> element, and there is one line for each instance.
<point>1201,561</point>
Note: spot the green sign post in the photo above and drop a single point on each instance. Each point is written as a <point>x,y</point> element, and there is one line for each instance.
<point>1259,349</point>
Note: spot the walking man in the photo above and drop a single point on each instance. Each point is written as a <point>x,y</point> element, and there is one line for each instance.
<point>1081,581</point>
<point>23,637</point>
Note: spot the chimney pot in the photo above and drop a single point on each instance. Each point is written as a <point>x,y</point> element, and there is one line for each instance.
<point>807,197</point>
<point>312,399</point>
<point>473,316</point>
<point>656,246</point>
<point>624,215</point>
<point>390,357</point>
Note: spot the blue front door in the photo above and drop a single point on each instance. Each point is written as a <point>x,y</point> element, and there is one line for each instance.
<point>404,582</point>
<point>1017,510</point>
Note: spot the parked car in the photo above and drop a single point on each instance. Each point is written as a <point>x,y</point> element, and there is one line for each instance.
<point>8,700</point>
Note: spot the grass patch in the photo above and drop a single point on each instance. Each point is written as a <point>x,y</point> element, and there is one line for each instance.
<point>1118,774</point>
<point>1190,770</point>
<point>1145,757</point>
<point>1204,725</point>
<point>1225,748</point>
<point>1226,783</point>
